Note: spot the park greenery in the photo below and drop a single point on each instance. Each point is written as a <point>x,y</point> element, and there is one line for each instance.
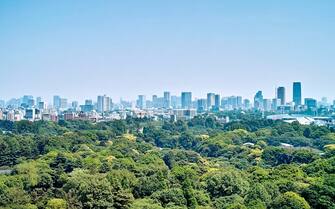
<point>146,164</point>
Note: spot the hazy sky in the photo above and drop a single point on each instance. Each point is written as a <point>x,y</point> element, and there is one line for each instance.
<point>79,49</point>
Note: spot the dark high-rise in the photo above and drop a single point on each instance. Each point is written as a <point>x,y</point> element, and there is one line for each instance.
<point>210,100</point>
<point>281,95</point>
<point>167,99</point>
<point>217,101</point>
<point>258,100</point>
<point>297,93</point>
<point>186,100</point>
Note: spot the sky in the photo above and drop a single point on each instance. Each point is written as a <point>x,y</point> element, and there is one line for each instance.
<point>83,48</point>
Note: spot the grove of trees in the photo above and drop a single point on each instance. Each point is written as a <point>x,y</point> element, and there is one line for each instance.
<point>146,164</point>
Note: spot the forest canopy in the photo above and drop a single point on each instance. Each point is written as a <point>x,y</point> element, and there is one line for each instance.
<point>145,164</point>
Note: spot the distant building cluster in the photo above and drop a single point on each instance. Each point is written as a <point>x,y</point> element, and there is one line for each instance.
<point>167,106</point>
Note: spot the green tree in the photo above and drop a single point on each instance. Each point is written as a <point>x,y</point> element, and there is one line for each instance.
<point>226,183</point>
<point>290,200</point>
<point>56,203</point>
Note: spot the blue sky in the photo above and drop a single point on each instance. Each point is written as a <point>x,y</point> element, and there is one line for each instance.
<point>79,49</point>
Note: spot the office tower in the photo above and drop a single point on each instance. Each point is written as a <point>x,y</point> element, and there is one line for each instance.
<point>141,102</point>
<point>175,102</point>
<point>74,105</point>
<point>38,100</point>
<point>63,103</point>
<point>41,105</point>
<point>31,102</point>
<point>224,103</point>
<point>217,102</point>
<point>186,100</point>
<point>103,104</point>
<point>246,104</point>
<point>25,100</point>
<point>167,99</point>
<point>267,104</point>
<point>281,95</point>
<point>155,101</point>
<point>310,103</point>
<point>258,100</point>
<point>275,104</point>
<point>238,102</point>
<point>201,105</point>
<point>324,101</point>
<point>297,93</point>
<point>210,100</point>
<point>88,102</point>
<point>88,106</point>
<point>57,102</point>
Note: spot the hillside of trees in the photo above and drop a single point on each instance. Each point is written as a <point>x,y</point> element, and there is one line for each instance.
<point>146,164</point>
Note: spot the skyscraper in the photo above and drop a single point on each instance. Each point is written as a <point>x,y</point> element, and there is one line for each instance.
<point>310,103</point>
<point>186,100</point>
<point>281,95</point>
<point>175,102</point>
<point>63,103</point>
<point>297,93</point>
<point>154,101</point>
<point>141,102</point>
<point>258,100</point>
<point>57,102</point>
<point>201,105</point>
<point>217,101</point>
<point>210,100</point>
<point>167,99</point>
<point>103,104</point>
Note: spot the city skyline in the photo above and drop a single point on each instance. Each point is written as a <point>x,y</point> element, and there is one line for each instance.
<point>288,95</point>
<point>127,48</point>
<point>212,99</point>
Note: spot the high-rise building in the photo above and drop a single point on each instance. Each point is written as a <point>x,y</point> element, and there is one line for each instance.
<point>186,100</point>
<point>74,105</point>
<point>88,106</point>
<point>38,100</point>
<point>201,105</point>
<point>267,104</point>
<point>167,99</point>
<point>310,103</point>
<point>155,101</point>
<point>141,102</point>
<point>31,103</point>
<point>324,102</point>
<point>57,102</point>
<point>297,93</point>
<point>238,102</point>
<point>63,103</point>
<point>175,102</point>
<point>103,104</point>
<point>281,95</point>
<point>275,104</point>
<point>210,100</point>
<point>88,102</point>
<point>217,102</point>
<point>258,100</point>
<point>246,104</point>
<point>26,99</point>
<point>41,105</point>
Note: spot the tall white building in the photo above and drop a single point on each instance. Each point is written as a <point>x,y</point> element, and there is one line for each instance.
<point>104,104</point>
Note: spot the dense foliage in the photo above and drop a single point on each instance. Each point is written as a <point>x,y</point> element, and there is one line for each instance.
<point>145,164</point>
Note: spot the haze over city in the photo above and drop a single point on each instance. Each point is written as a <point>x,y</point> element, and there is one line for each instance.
<point>80,49</point>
